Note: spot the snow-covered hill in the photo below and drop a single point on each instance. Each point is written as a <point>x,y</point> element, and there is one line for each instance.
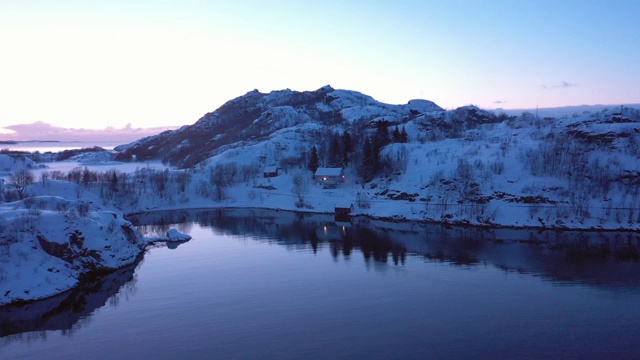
<point>562,111</point>
<point>255,116</point>
<point>467,165</point>
<point>10,164</point>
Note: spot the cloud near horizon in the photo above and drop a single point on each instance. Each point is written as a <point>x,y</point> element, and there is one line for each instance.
<point>562,85</point>
<point>46,132</point>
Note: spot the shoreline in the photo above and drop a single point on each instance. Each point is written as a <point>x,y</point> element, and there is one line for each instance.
<point>399,219</point>
<point>91,275</point>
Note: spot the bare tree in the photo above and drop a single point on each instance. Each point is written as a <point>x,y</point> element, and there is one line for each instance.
<point>75,175</point>
<point>217,180</point>
<point>159,181</point>
<point>300,188</point>
<point>44,177</point>
<point>183,178</point>
<point>20,180</point>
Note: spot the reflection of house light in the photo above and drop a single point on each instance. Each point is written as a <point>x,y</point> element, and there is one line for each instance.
<point>325,229</point>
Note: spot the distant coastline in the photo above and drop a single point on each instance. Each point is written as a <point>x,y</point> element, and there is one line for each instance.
<point>13,142</point>
<point>44,146</point>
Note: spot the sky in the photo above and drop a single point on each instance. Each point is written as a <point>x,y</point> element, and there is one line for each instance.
<point>155,63</point>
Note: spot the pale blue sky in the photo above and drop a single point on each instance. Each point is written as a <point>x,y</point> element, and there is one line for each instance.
<point>95,64</point>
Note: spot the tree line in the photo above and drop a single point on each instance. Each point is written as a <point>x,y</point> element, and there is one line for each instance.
<point>363,154</point>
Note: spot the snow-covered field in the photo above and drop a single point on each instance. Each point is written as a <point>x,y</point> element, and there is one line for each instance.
<point>8,165</point>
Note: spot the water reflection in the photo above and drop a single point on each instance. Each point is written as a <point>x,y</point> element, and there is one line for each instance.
<point>294,230</point>
<point>71,310</point>
<point>600,259</point>
<point>603,259</point>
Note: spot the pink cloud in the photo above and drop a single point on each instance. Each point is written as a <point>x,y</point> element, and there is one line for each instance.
<point>47,132</point>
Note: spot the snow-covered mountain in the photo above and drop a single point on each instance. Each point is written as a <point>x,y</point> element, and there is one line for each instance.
<point>254,116</point>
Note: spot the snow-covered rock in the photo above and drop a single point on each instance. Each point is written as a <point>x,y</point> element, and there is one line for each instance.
<point>420,106</point>
<point>94,157</point>
<point>175,235</point>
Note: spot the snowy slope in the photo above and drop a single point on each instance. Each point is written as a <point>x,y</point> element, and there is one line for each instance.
<point>558,112</point>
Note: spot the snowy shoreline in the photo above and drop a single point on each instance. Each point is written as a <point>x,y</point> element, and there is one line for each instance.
<point>52,240</point>
<point>398,219</point>
<point>138,255</point>
<point>92,275</point>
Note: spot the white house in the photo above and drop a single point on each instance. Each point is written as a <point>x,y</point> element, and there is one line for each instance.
<point>329,177</point>
<point>270,171</point>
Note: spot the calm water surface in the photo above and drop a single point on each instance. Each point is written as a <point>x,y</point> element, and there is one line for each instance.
<point>276,285</point>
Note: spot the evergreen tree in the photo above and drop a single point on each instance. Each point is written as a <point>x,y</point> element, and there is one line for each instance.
<point>396,135</point>
<point>381,138</point>
<point>367,168</point>
<point>86,176</point>
<point>113,183</point>
<point>404,137</point>
<point>314,163</point>
<point>347,147</point>
<point>335,152</point>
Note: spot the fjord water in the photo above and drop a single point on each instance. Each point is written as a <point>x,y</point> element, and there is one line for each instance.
<point>257,284</point>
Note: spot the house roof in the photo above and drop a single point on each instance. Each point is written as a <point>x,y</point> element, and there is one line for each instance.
<point>329,172</point>
<point>270,169</point>
<point>345,205</point>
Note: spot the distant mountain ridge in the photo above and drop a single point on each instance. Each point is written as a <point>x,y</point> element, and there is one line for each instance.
<point>256,115</point>
<point>566,110</point>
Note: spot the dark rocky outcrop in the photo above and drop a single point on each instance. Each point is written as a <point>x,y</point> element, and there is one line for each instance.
<point>73,251</point>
